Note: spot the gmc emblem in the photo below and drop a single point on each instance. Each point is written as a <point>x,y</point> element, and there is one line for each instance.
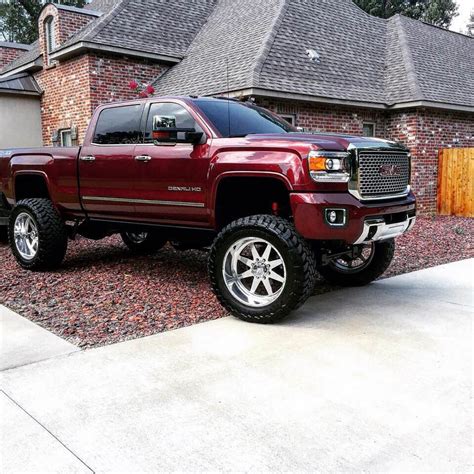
<point>390,170</point>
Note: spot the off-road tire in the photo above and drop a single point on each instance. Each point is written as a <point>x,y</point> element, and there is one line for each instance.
<point>152,244</point>
<point>298,257</point>
<point>383,255</point>
<point>52,234</point>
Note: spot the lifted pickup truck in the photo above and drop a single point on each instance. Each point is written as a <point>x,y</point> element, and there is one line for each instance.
<point>274,205</point>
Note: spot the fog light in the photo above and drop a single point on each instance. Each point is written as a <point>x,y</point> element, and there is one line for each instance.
<point>336,217</point>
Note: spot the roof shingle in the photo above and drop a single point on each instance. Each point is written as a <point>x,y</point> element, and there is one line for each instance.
<point>362,58</point>
<point>232,45</point>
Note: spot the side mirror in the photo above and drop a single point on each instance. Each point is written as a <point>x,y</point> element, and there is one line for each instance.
<point>165,131</point>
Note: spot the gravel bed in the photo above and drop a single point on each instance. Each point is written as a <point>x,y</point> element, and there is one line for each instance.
<point>103,294</point>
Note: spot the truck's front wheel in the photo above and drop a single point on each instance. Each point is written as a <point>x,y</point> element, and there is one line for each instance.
<point>261,269</point>
<point>365,265</point>
<point>37,234</point>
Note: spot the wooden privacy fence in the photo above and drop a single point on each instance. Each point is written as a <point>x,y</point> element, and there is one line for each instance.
<point>456,182</point>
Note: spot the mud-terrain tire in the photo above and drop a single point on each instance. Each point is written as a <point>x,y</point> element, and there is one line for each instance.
<point>382,257</point>
<point>296,276</point>
<point>46,230</point>
<point>143,242</point>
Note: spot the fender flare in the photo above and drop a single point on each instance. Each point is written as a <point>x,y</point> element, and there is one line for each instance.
<point>242,174</point>
<point>30,173</point>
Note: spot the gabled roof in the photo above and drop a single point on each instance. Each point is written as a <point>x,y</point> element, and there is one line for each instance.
<point>27,59</point>
<point>10,44</point>
<point>363,59</point>
<point>159,27</point>
<point>251,47</point>
<point>20,84</point>
<point>33,55</point>
<point>440,63</point>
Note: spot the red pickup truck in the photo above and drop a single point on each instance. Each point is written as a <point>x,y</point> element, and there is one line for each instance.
<point>273,204</point>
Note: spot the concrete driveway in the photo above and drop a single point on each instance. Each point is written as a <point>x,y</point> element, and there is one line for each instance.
<point>367,379</point>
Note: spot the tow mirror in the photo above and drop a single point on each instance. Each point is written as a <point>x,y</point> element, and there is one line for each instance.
<point>165,131</point>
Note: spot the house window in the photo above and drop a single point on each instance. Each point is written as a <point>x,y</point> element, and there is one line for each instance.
<point>49,37</point>
<point>65,137</point>
<point>289,118</point>
<point>368,129</point>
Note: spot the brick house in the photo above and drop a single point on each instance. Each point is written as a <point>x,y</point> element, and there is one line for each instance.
<point>324,65</point>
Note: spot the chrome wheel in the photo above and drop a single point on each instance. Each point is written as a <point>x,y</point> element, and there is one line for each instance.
<point>137,237</point>
<point>254,272</point>
<point>352,264</point>
<point>25,233</point>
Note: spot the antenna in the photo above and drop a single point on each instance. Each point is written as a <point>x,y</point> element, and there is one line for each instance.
<point>228,94</point>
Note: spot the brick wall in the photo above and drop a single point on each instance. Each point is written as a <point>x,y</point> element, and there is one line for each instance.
<point>324,118</point>
<point>7,55</point>
<point>110,77</point>
<point>423,131</point>
<point>70,23</point>
<point>66,23</point>
<point>66,97</point>
<point>72,89</point>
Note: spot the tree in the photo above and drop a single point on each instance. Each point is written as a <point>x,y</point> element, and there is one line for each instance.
<point>437,12</point>
<point>470,25</point>
<point>18,19</point>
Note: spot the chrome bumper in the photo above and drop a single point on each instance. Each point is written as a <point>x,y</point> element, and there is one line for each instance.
<point>377,229</point>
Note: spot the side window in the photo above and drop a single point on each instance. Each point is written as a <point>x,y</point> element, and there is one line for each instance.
<point>49,37</point>
<point>368,129</point>
<point>183,117</point>
<point>119,125</point>
<point>291,119</point>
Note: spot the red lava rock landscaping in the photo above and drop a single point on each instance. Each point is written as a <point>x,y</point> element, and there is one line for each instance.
<point>104,294</point>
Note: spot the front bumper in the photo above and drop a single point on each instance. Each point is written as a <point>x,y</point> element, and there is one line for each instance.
<point>364,221</point>
<point>377,229</point>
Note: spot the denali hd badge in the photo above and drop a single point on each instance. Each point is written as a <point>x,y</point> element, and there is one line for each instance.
<point>187,189</point>
<point>390,170</point>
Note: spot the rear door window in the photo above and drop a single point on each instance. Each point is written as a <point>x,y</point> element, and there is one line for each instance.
<point>119,125</point>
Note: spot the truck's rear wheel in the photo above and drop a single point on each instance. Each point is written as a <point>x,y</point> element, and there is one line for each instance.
<point>37,235</point>
<point>369,262</point>
<point>143,242</point>
<point>261,269</point>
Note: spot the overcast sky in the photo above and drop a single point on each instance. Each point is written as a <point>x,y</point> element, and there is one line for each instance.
<point>459,23</point>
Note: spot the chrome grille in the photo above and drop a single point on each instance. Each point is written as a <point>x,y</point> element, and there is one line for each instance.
<point>383,174</point>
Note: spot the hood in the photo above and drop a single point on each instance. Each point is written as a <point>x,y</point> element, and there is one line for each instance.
<point>328,141</point>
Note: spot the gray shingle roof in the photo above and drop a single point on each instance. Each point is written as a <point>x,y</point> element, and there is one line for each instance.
<point>161,27</point>
<point>29,56</point>
<point>362,58</point>
<point>102,5</point>
<point>10,44</point>
<point>233,40</point>
<point>261,45</point>
<point>442,61</point>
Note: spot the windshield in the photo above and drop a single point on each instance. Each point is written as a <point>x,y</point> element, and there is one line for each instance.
<point>237,119</point>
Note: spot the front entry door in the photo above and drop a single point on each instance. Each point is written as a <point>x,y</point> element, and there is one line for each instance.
<point>108,171</point>
<point>172,187</point>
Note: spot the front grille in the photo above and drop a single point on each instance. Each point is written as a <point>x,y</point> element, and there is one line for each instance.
<point>383,174</point>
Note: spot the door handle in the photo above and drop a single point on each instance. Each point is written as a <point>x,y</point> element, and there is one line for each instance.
<point>87,158</point>
<point>143,158</point>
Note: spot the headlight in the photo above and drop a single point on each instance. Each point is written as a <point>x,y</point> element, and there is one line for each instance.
<point>329,166</point>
